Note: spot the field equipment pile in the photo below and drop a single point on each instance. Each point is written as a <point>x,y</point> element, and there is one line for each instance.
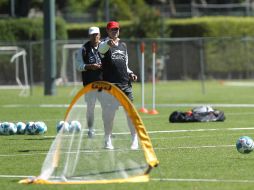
<point>197,114</point>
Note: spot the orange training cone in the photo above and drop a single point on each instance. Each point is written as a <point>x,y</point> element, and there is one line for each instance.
<point>143,110</point>
<point>153,112</point>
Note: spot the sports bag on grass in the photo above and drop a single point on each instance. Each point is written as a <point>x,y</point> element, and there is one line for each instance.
<point>197,114</point>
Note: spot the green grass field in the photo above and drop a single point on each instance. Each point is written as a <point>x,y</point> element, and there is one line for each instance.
<point>192,155</point>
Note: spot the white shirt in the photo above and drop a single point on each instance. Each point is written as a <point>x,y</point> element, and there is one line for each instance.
<point>79,63</point>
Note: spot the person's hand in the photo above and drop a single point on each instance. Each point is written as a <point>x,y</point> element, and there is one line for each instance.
<point>94,66</point>
<point>133,77</point>
<point>113,42</point>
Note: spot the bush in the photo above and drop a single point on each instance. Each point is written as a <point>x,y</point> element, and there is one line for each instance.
<point>80,31</point>
<point>23,29</point>
<point>212,27</point>
<point>229,49</point>
<point>19,32</point>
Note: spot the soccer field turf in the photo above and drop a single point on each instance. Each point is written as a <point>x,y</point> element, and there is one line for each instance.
<point>192,155</point>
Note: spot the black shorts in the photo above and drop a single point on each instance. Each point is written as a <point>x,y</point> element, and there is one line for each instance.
<point>127,90</point>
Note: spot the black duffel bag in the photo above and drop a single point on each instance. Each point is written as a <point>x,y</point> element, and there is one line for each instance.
<point>197,114</point>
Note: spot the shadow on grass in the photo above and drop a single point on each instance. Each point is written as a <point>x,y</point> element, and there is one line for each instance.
<point>33,151</point>
<point>40,139</point>
<point>34,139</point>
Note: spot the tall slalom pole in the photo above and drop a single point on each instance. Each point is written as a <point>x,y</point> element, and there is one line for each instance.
<point>142,49</point>
<point>153,111</point>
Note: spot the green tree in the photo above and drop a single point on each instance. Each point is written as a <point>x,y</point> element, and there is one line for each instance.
<point>118,10</point>
<point>76,6</point>
<point>148,22</point>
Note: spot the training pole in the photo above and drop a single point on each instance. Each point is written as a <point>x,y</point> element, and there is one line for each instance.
<point>142,49</point>
<point>153,111</point>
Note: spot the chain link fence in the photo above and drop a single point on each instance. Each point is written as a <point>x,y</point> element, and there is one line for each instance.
<point>176,59</point>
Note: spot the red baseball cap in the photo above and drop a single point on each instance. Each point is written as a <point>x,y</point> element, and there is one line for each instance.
<point>112,24</point>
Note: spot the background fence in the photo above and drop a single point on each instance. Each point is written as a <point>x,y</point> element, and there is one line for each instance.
<point>176,59</point>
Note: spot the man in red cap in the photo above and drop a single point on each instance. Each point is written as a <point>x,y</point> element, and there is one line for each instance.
<point>115,70</point>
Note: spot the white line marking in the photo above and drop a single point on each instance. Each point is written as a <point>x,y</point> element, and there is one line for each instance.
<point>196,147</point>
<point>213,105</point>
<point>201,130</point>
<point>177,131</point>
<point>241,84</point>
<point>15,176</point>
<point>117,150</point>
<point>154,132</point>
<point>203,180</point>
<point>162,179</point>
<point>157,105</point>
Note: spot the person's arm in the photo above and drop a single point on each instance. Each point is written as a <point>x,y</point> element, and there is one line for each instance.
<point>103,46</point>
<point>127,63</point>
<point>130,72</point>
<point>80,65</point>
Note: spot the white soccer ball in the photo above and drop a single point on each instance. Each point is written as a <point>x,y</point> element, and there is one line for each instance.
<point>12,129</point>
<point>8,128</point>
<point>245,145</point>
<point>1,129</point>
<point>31,128</point>
<point>41,127</point>
<point>21,127</point>
<point>75,126</point>
<point>63,125</point>
<point>4,128</point>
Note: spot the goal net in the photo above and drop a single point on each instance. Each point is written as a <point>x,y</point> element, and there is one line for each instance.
<point>68,70</point>
<point>14,69</point>
<point>108,155</point>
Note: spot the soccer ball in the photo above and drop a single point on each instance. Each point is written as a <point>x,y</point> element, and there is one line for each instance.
<point>36,128</point>
<point>1,129</point>
<point>245,145</point>
<point>75,126</point>
<point>63,125</point>
<point>8,128</point>
<point>41,127</point>
<point>21,127</point>
<point>30,128</point>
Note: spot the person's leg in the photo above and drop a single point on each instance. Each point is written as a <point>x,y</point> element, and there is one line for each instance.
<point>91,100</point>
<point>108,118</point>
<point>109,108</point>
<point>134,137</point>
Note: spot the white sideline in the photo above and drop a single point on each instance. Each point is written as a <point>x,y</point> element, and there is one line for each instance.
<point>178,131</point>
<point>15,176</point>
<point>202,180</point>
<point>136,105</point>
<point>238,83</point>
<point>98,151</point>
<point>162,179</point>
<point>153,132</point>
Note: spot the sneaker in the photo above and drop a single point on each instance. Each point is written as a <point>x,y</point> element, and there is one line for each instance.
<point>108,144</point>
<point>90,133</point>
<point>134,144</point>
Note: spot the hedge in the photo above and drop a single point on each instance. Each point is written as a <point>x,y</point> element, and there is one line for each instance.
<point>25,29</point>
<point>80,31</point>
<point>229,50</point>
<point>212,27</point>
<point>20,31</point>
